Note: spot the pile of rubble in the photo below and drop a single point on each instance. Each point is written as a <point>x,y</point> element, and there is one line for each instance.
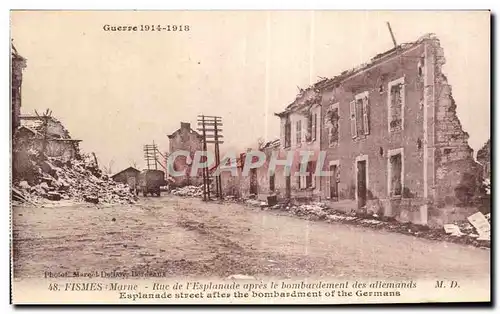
<point>257,203</point>
<point>312,211</point>
<point>76,180</point>
<point>467,232</point>
<point>189,191</point>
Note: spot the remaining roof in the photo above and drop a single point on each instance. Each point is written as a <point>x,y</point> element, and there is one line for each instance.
<point>312,91</point>
<point>179,129</point>
<point>14,54</point>
<point>271,144</point>
<point>126,169</point>
<point>35,124</point>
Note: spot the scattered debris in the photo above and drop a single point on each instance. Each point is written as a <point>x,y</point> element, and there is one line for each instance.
<point>315,210</point>
<point>189,190</point>
<point>257,203</point>
<point>482,225</point>
<point>78,180</point>
<point>452,229</point>
<point>461,232</point>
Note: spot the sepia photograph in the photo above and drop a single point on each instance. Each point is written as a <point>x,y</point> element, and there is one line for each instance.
<point>250,157</point>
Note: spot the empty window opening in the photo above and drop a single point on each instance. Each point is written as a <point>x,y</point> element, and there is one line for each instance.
<point>396,106</point>
<point>288,133</point>
<point>332,121</point>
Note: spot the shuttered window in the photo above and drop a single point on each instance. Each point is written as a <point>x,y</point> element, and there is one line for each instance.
<point>309,126</point>
<point>360,115</point>
<point>352,109</point>
<point>366,116</point>
<point>314,125</point>
<point>360,127</point>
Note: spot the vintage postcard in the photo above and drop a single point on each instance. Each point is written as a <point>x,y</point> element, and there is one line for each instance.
<point>250,157</point>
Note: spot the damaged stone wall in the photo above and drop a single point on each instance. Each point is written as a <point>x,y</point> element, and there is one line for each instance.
<point>304,116</point>
<point>18,64</point>
<point>457,175</point>
<point>484,158</point>
<point>186,139</point>
<point>375,145</point>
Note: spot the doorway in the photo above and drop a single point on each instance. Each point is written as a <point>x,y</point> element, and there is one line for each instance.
<point>253,181</point>
<point>288,184</point>
<point>272,182</point>
<point>334,184</point>
<point>361,183</point>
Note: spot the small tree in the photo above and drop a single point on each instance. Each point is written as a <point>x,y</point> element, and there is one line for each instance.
<point>108,169</point>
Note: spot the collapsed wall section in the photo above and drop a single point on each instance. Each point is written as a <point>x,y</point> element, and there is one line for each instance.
<point>457,174</point>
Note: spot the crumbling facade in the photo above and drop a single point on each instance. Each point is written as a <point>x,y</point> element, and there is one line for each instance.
<point>394,145</point>
<point>484,158</point>
<point>187,139</point>
<point>47,135</point>
<point>300,125</point>
<point>18,64</point>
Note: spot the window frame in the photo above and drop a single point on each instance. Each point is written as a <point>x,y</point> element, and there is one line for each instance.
<point>288,133</point>
<point>332,108</point>
<point>364,119</point>
<point>311,164</point>
<point>314,134</point>
<point>400,81</point>
<point>298,132</point>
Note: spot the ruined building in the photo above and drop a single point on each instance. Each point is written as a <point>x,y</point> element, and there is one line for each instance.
<point>186,139</point>
<point>18,64</point>
<point>393,141</point>
<point>46,134</point>
<point>484,158</point>
<point>301,131</point>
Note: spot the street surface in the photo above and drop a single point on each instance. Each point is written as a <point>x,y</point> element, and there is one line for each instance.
<point>187,237</point>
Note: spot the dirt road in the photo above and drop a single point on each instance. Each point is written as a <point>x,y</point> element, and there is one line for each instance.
<point>187,237</point>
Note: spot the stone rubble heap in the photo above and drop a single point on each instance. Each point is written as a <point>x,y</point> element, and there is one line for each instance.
<point>189,191</point>
<point>315,210</point>
<point>257,203</point>
<point>319,211</point>
<point>75,180</point>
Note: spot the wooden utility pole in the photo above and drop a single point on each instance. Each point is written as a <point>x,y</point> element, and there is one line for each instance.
<point>392,35</point>
<point>45,120</point>
<point>151,156</point>
<point>211,128</point>
<point>206,178</point>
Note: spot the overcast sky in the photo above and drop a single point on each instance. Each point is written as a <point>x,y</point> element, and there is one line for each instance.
<point>117,91</point>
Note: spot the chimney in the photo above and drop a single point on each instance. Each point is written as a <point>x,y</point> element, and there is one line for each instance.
<point>185,126</point>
